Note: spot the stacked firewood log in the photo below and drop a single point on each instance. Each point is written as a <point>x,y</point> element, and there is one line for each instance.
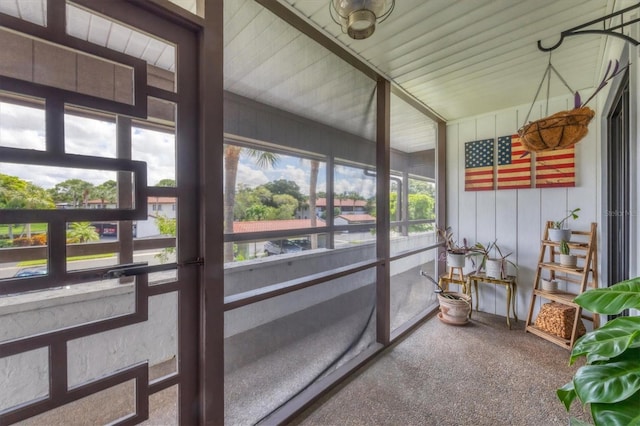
<point>557,319</point>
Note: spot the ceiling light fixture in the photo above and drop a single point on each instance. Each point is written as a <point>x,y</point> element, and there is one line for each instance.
<point>358,18</point>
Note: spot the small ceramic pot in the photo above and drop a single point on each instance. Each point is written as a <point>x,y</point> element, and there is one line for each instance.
<point>559,234</point>
<point>495,268</point>
<point>549,285</point>
<point>569,260</point>
<point>455,260</point>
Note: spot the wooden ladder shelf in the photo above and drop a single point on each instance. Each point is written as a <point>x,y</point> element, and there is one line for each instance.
<point>576,280</point>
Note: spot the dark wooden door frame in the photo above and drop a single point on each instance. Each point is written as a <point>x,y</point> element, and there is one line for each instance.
<point>188,237</point>
<point>616,185</point>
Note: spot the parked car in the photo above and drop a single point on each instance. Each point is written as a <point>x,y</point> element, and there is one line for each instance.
<point>280,247</point>
<point>30,272</point>
<point>304,243</point>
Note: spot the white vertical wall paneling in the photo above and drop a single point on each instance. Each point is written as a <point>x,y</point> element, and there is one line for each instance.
<point>529,228</point>
<point>467,200</point>
<point>517,217</point>
<point>485,220</point>
<point>587,169</point>
<point>506,206</point>
<point>453,177</point>
<point>554,200</point>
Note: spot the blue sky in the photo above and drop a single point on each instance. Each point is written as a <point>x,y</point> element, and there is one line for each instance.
<point>291,168</point>
<point>24,127</point>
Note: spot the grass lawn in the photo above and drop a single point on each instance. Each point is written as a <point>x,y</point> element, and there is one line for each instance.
<point>36,228</point>
<point>39,262</point>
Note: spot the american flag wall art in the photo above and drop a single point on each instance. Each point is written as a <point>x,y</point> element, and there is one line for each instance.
<point>478,165</point>
<point>514,170</point>
<point>556,169</point>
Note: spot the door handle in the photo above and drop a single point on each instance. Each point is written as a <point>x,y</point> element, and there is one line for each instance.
<point>139,268</point>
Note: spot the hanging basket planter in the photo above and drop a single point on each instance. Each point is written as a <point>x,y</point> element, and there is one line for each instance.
<point>560,130</point>
<point>565,128</point>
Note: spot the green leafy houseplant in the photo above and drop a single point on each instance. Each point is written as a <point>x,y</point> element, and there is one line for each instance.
<point>610,380</point>
<point>573,214</point>
<point>484,253</point>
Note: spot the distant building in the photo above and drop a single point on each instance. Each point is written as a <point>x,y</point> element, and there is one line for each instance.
<point>274,225</point>
<point>156,206</point>
<point>345,207</point>
<point>354,219</point>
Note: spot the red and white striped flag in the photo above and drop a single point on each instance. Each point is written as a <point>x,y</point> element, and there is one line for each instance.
<point>514,170</point>
<point>478,165</point>
<point>556,169</point>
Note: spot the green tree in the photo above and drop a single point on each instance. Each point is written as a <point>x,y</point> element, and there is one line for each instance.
<point>338,208</point>
<point>421,187</point>
<point>288,187</point>
<point>74,191</point>
<point>393,205</point>
<point>106,192</point>
<point>231,160</point>
<point>166,226</point>
<point>82,232</point>
<point>421,206</point>
<point>16,193</point>
<point>371,206</point>
<point>171,183</point>
<point>313,182</point>
<point>286,206</point>
<point>257,212</point>
<point>249,202</point>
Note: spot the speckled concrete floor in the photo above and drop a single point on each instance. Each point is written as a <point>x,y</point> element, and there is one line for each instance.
<point>479,374</point>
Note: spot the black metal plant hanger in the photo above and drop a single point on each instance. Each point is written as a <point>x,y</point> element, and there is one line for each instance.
<point>612,30</point>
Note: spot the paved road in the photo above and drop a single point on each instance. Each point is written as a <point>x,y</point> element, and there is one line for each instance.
<point>8,270</point>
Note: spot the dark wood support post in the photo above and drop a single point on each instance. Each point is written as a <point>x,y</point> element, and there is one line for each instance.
<point>383,163</point>
<point>212,247</point>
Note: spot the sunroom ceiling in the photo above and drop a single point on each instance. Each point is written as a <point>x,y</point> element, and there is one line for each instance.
<point>458,58</point>
<point>465,58</point>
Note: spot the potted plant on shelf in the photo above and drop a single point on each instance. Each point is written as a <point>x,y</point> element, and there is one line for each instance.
<point>549,285</point>
<point>566,258</point>
<point>559,230</point>
<point>609,380</point>
<point>494,266</point>
<point>455,253</point>
<point>479,255</point>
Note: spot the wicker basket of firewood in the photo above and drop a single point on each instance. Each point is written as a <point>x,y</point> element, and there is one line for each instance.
<point>557,319</point>
<point>560,130</point>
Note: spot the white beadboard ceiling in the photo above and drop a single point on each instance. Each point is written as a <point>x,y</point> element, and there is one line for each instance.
<point>464,58</point>
<point>459,58</point>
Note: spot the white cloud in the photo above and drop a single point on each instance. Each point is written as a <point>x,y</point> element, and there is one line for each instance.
<point>22,127</point>
<point>48,177</point>
<point>158,149</point>
<point>250,177</point>
<point>351,179</point>
<point>86,136</point>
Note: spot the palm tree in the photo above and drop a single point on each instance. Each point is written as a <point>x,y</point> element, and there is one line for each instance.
<point>232,153</point>
<point>106,192</point>
<point>313,180</point>
<point>82,232</point>
<point>341,197</point>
